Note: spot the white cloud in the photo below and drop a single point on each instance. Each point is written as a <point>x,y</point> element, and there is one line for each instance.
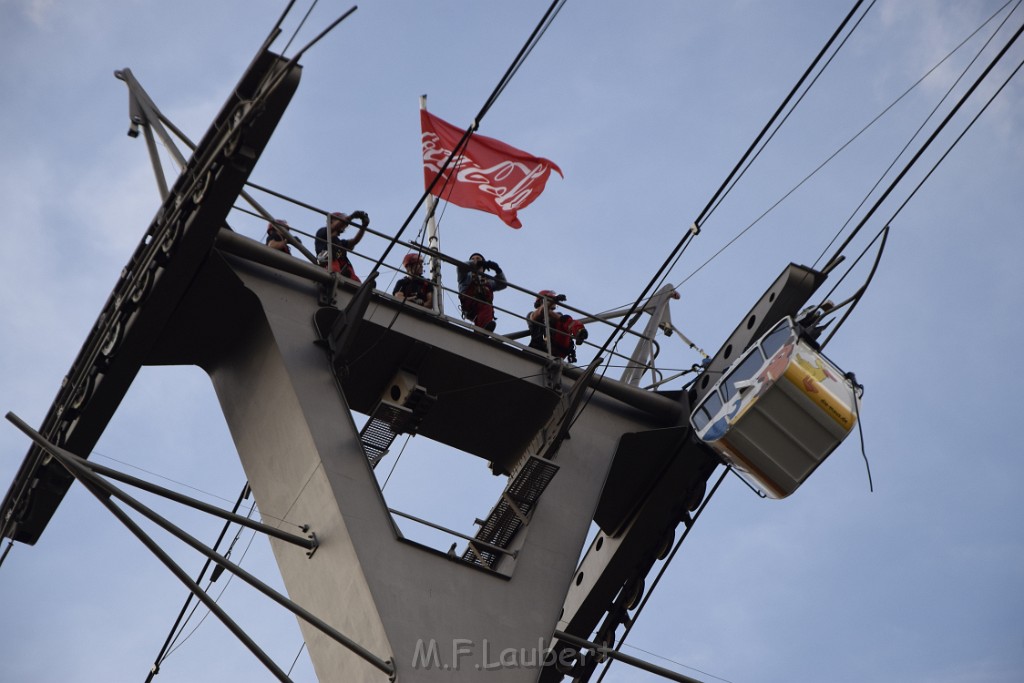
<point>38,12</point>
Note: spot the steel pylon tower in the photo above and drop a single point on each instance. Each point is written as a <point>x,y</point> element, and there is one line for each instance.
<point>293,353</point>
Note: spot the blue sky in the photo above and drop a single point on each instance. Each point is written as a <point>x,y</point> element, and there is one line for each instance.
<point>645,107</point>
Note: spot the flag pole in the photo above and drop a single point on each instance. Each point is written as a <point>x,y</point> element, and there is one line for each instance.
<point>433,241</point>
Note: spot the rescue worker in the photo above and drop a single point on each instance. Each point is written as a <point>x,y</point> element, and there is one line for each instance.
<point>561,329</point>
<point>413,287</point>
<point>476,290</point>
<point>337,222</point>
<point>275,237</point>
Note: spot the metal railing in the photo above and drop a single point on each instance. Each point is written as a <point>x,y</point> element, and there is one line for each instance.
<point>637,363</point>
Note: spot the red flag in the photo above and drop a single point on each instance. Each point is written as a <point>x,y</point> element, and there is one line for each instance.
<point>490,175</point>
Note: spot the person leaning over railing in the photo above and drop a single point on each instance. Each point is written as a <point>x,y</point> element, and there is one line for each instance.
<point>552,331</point>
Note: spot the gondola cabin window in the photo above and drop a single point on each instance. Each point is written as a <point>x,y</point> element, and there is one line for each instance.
<point>778,411</point>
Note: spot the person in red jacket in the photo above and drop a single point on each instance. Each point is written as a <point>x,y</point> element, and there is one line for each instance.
<point>552,331</point>
<point>477,288</point>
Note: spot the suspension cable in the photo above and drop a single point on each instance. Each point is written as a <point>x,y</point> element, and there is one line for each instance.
<point>906,200</point>
<point>10,544</point>
<point>736,169</point>
<point>177,644</point>
<point>883,234</point>
<point>931,138</point>
<point>724,188</point>
<point>298,28</point>
<point>846,144</point>
<point>296,660</point>
<point>957,140</point>
<point>155,669</point>
<point>799,99</point>
<point>900,98</point>
<point>280,19</point>
<point>949,91</point>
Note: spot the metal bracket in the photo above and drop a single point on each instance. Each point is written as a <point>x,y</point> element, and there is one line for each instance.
<point>328,293</point>
<point>515,508</point>
<point>553,375</point>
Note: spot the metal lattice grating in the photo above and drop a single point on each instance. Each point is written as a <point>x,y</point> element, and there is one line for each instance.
<point>501,525</point>
<point>380,430</point>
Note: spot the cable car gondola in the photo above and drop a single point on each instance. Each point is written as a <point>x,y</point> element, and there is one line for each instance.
<point>778,411</point>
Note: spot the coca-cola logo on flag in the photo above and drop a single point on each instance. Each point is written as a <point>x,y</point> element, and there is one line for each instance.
<point>511,183</point>
<point>489,175</point>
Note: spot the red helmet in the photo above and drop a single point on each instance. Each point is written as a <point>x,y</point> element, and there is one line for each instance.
<point>410,259</point>
<point>340,218</point>
<point>548,294</point>
<point>272,225</point>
